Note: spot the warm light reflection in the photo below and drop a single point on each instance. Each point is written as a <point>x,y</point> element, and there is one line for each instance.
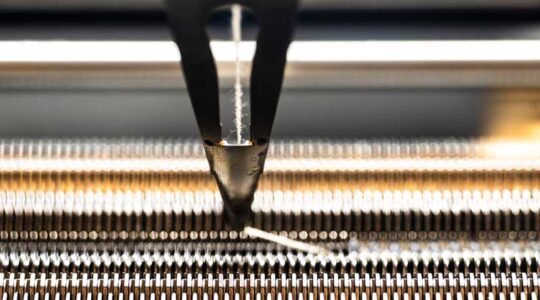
<point>295,167</point>
<point>508,149</point>
<point>492,162</point>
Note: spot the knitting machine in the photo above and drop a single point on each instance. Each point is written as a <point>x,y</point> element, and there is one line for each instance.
<point>404,164</point>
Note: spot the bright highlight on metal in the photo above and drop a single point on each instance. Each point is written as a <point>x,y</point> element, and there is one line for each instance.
<point>300,51</point>
<point>124,230</point>
<point>149,189</point>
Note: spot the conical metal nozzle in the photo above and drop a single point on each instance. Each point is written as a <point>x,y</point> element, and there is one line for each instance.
<point>237,170</point>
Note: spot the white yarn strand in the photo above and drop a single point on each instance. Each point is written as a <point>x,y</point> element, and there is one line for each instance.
<point>236,24</point>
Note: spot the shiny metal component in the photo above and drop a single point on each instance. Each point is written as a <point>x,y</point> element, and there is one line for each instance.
<point>377,269</point>
<point>312,190</point>
<point>372,258</point>
<point>358,286</point>
<point>237,170</point>
<point>306,216</point>
<point>298,75</point>
<point>154,66</point>
<point>123,219</point>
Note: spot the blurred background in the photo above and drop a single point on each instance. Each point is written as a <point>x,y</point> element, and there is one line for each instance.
<point>417,87</point>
